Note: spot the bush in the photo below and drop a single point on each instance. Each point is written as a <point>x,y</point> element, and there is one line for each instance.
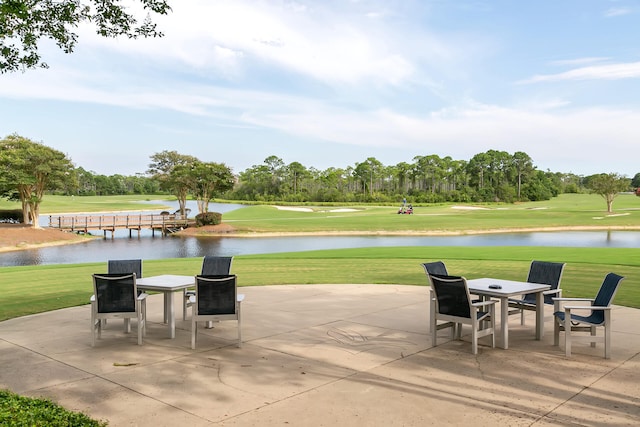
<point>208,218</point>
<point>18,411</point>
<point>11,215</point>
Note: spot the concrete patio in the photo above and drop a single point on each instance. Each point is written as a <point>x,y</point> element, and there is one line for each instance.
<point>321,355</point>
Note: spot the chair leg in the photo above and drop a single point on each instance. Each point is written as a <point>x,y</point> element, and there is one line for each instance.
<point>522,316</point>
<point>143,308</point>
<point>567,335</point>
<point>184,304</point>
<point>140,327</point>
<point>96,326</point>
<point>492,325</point>
<point>592,330</point>
<point>127,325</point>
<point>239,325</point>
<point>474,336</point>
<point>432,320</point>
<point>556,331</point>
<point>194,329</point>
<point>607,335</point>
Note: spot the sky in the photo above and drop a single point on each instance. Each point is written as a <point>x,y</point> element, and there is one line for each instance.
<point>331,83</point>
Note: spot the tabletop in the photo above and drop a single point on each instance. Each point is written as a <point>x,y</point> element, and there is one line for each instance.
<point>166,282</point>
<point>508,288</point>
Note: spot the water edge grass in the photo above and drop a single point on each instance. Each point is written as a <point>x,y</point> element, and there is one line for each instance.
<point>34,289</point>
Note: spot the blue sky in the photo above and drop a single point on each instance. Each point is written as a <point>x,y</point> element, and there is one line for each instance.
<point>330,83</point>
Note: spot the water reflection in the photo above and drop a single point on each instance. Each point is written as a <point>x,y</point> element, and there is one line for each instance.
<point>157,247</point>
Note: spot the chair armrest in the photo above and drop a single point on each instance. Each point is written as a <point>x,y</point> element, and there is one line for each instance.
<point>553,292</point>
<point>240,297</point>
<point>484,303</point>
<point>142,296</point>
<point>92,299</point>
<point>586,307</point>
<point>557,301</point>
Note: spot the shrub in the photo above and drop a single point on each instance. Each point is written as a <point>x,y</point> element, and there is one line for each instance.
<point>11,215</point>
<point>208,218</point>
<point>18,411</point>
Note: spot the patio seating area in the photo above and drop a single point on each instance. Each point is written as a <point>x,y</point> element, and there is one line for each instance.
<point>321,355</point>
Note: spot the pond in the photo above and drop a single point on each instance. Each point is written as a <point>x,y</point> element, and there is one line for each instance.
<point>158,247</point>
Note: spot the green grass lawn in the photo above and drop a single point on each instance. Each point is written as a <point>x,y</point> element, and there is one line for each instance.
<point>71,204</point>
<point>33,289</point>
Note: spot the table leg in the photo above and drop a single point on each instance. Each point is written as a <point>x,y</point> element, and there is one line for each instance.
<point>165,295</point>
<point>504,322</point>
<point>539,315</point>
<point>172,317</point>
<point>432,318</point>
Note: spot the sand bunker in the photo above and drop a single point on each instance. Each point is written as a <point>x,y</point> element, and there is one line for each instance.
<point>293,208</point>
<point>467,207</point>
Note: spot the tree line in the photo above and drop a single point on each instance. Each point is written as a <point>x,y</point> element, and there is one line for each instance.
<point>29,169</point>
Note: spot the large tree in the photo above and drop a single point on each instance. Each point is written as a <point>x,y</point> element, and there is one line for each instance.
<point>23,23</point>
<point>28,169</point>
<point>162,168</point>
<point>209,180</point>
<point>608,185</point>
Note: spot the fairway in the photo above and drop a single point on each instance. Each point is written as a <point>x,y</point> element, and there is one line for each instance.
<point>566,212</point>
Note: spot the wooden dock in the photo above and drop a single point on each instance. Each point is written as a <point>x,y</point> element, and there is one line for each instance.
<point>85,223</point>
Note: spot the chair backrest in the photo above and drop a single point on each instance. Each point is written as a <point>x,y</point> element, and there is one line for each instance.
<point>607,290</point>
<point>435,267</point>
<point>545,273</point>
<point>216,294</point>
<point>216,265</point>
<point>605,297</point>
<point>115,293</point>
<point>452,295</point>
<point>125,266</point>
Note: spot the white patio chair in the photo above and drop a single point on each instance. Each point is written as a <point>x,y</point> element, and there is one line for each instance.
<point>216,299</point>
<point>545,273</point>
<point>454,306</point>
<point>116,297</point>
<point>599,315</point>
<point>211,266</point>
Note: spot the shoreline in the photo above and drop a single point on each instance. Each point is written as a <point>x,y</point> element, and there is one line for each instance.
<point>248,234</point>
<point>225,230</point>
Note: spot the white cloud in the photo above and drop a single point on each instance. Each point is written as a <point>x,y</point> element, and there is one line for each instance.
<point>617,11</point>
<point>580,61</point>
<point>597,72</point>
<point>334,46</point>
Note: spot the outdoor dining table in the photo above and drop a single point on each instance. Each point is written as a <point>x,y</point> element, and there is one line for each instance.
<point>508,289</point>
<point>167,284</point>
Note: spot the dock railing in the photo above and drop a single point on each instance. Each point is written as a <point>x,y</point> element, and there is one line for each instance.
<point>86,223</point>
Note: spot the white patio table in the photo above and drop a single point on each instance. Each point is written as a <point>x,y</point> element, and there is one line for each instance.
<point>167,284</point>
<point>508,289</point>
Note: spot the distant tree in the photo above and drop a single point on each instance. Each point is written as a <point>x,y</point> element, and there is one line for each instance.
<point>208,180</point>
<point>176,182</point>
<point>28,169</point>
<point>367,172</point>
<point>295,171</point>
<point>635,181</point>
<point>23,23</point>
<point>523,166</point>
<point>608,185</point>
